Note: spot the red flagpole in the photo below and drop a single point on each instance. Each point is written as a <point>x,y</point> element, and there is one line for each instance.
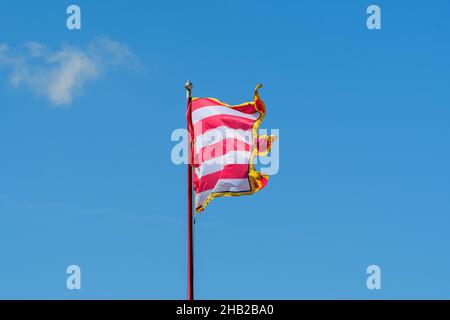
<point>190,250</point>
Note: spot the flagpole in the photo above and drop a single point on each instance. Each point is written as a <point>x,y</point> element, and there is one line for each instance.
<point>190,250</point>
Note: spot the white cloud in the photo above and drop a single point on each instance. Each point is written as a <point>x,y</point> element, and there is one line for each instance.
<point>62,75</point>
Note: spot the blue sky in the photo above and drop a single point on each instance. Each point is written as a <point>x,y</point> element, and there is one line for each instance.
<point>364,151</point>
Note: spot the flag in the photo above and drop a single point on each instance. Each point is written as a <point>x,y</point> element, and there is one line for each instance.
<point>224,145</point>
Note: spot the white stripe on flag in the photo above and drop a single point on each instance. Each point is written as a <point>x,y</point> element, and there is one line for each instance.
<point>223,185</point>
<point>216,164</point>
<point>209,111</point>
<point>220,133</point>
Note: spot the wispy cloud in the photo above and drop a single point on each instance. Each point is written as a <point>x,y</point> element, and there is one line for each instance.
<point>62,75</point>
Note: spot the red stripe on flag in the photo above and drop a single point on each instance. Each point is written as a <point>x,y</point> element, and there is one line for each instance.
<point>220,148</point>
<point>232,122</point>
<point>204,102</point>
<point>230,171</point>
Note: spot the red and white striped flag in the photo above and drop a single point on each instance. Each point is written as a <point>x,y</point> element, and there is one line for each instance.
<point>225,143</point>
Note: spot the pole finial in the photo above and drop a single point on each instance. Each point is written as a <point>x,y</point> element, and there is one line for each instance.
<point>188,87</point>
